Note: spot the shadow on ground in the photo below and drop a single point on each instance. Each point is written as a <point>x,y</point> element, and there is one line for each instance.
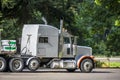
<point>64,71</point>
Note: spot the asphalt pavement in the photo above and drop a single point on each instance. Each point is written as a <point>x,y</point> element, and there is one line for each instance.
<point>61,74</point>
<point>113,59</point>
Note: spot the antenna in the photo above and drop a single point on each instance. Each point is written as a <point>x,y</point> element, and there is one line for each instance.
<point>44,20</point>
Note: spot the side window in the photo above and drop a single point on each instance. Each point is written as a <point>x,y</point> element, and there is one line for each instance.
<point>66,40</point>
<point>43,39</point>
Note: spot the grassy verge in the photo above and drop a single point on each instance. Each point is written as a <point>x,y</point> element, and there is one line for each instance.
<point>115,64</point>
<point>107,64</point>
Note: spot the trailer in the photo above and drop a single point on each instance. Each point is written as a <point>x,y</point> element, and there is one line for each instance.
<point>45,46</point>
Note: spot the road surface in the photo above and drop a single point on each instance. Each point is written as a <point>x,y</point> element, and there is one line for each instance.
<point>108,59</point>
<point>52,74</point>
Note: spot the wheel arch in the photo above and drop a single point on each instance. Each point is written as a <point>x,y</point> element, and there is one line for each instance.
<point>85,57</point>
<point>28,60</point>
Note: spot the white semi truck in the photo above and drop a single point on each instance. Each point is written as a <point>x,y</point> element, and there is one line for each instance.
<point>45,46</point>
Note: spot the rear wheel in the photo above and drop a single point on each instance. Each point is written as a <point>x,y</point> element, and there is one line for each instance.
<point>33,64</point>
<point>16,64</point>
<point>2,64</point>
<point>86,65</point>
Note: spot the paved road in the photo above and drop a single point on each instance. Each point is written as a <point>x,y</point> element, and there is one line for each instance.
<point>108,59</point>
<point>97,74</point>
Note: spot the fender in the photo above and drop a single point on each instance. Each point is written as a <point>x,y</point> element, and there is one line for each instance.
<point>27,62</point>
<point>79,59</point>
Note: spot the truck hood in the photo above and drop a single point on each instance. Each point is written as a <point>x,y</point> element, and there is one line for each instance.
<point>84,50</point>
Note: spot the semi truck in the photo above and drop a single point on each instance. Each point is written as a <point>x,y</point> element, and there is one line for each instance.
<point>44,46</point>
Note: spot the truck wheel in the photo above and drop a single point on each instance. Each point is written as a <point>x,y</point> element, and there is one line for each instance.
<point>70,70</point>
<point>2,64</point>
<point>33,64</point>
<point>86,65</point>
<point>16,64</point>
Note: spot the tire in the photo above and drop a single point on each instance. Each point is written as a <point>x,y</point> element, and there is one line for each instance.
<point>16,64</point>
<point>86,65</point>
<point>33,64</point>
<point>3,64</point>
<point>71,70</point>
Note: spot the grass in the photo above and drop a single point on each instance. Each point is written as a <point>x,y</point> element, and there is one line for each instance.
<point>108,64</point>
<point>115,64</point>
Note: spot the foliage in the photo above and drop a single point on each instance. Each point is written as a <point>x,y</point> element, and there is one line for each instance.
<point>99,64</point>
<point>10,29</point>
<point>113,41</point>
<point>95,22</point>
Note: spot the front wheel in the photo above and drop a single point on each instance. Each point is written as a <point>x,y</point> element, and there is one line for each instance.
<point>2,64</point>
<point>86,65</point>
<point>16,64</point>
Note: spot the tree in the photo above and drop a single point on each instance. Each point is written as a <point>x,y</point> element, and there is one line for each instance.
<point>30,11</point>
<point>95,22</point>
<point>113,39</point>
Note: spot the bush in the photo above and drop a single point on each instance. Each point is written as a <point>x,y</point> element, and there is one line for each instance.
<point>99,64</point>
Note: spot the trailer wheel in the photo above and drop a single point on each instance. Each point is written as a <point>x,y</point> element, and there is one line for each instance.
<point>16,64</point>
<point>71,70</point>
<point>86,65</point>
<point>2,64</point>
<point>33,64</point>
